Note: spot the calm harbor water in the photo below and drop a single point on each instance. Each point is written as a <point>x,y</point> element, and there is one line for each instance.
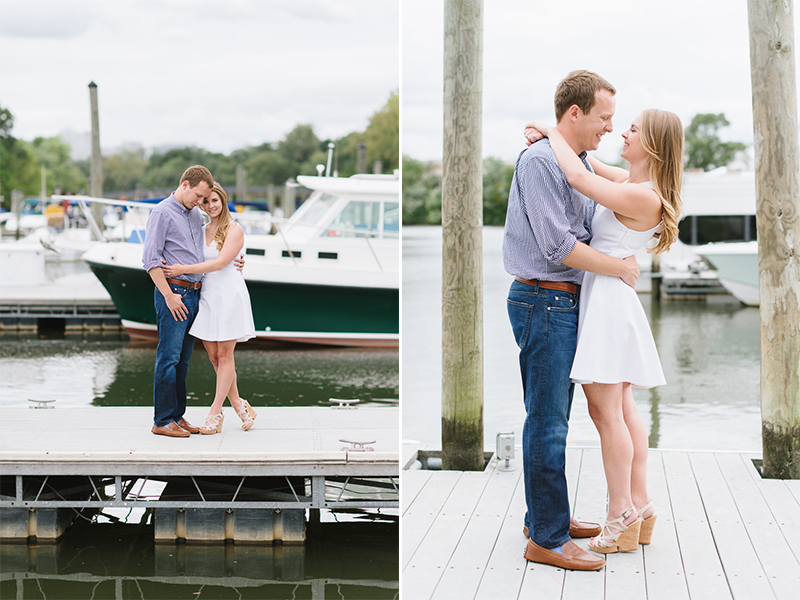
<point>709,351</point>
<point>349,555</point>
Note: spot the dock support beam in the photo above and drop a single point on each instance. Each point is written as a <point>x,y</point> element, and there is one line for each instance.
<point>462,231</point>
<point>775,136</point>
<point>241,525</point>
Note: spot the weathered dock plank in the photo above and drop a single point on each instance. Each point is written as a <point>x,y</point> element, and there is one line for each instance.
<point>722,532</point>
<point>501,579</point>
<point>419,515</point>
<point>590,502</point>
<point>465,570</point>
<point>433,555</point>
<point>780,565</point>
<point>705,576</point>
<point>284,441</point>
<point>664,569</point>
<point>745,576</point>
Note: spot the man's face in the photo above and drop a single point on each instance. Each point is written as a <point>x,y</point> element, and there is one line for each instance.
<point>194,196</point>
<point>597,122</point>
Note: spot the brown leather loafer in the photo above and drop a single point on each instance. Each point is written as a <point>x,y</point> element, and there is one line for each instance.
<point>583,529</point>
<point>578,529</point>
<point>172,429</point>
<point>574,558</point>
<point>184,424</point>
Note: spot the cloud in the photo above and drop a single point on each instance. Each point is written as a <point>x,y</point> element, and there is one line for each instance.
<point>251,69</point>
<point>50,19</point>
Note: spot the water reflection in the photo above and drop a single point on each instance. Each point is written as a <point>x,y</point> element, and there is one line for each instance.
<point>710,353</point>
<point>98,371</point>
<point>340,560</point>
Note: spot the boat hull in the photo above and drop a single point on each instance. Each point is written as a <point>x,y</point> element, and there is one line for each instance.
<point>282,312</point>
<point>736,265</point>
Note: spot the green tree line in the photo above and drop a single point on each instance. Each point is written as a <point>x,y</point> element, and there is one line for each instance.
<point>422,191</point>
<point>269,163</point>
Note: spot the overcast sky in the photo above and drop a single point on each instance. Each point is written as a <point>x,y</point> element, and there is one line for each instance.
<point>219,74</point>
<point>687,56</point>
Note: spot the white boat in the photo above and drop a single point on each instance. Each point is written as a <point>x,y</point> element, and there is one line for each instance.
<point>736,265</point>
<point>718,206</point>
<point>330,275</point>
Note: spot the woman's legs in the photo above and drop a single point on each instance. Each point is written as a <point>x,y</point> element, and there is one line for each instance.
<point>215,349</point>
<point>606,410</point>
<point>638,433</point>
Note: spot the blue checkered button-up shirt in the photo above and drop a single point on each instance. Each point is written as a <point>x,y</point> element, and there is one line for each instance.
<point>546,218</point>
<point>175,234</point>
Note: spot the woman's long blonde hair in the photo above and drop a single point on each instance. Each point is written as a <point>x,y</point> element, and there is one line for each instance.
<point>225,219</point>
<point>662,138</point>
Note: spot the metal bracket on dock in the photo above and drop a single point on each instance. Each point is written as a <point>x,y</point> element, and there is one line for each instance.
<point>41,403</point>
<point>358,446</point>
<point>344,403</point>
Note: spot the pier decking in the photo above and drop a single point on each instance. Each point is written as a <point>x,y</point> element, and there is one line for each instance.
<point>722,532</point>
<point>294,458</point>
<point>80,300</point>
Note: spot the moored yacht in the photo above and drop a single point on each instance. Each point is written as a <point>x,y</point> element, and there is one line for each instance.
<point>328,275</point>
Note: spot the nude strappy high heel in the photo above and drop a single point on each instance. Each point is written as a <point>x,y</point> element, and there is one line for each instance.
<point>247,415</point>
<point>616,537</point>
<point>213,424</point>
<point>646,531</point>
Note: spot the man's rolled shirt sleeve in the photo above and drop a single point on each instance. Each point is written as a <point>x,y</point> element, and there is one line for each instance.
<point>154,240</point>
<point>546,213</point>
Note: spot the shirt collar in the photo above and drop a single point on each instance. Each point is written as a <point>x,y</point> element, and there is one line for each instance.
<point>178,204</point>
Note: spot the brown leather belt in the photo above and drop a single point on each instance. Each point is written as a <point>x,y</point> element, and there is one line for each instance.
<point>561,286</point>
<point>194,286</point>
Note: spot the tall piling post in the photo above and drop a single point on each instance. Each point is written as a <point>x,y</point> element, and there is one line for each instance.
<point>96,167</point>
<point>361,158</point>
<point>241,184</point>
<point>775,136</point>
<point>462,228</point>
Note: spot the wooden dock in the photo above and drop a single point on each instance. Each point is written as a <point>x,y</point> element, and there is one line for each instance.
<point>723,532</point>
<point>250,486</point>
<point>77,302</point>
<point>284,441</point>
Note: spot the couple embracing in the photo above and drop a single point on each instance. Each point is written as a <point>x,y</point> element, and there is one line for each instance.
<point>572,228</point>
<point>199,294</point>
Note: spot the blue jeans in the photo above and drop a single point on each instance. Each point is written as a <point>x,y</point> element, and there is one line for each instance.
<point>545,324</point>
<point>174,350</point>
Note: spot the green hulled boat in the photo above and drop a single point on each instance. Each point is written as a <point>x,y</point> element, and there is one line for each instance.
<point>329,275</point>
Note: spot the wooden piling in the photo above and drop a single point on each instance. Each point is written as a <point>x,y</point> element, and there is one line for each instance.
<point>462,227</point>
<point>775,136</point>
<point>241,184</point>
<point>289,193</point>
<point>96,168</point>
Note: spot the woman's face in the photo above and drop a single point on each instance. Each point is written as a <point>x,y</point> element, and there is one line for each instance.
<point>212,205</point>
<point>632,149</point>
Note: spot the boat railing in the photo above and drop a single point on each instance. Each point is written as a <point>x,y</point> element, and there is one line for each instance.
<point>83,204</point>
<point>279,223</point>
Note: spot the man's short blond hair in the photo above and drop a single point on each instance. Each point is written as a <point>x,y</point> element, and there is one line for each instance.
<point>196,175</point>
<point>579,88</point>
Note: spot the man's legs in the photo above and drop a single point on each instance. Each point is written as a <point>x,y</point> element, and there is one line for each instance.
<point>545,326</point>
<point>172,357</point>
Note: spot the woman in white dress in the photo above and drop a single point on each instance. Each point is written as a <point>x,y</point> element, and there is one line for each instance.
<point>616,350</point>
<point>224,316</point>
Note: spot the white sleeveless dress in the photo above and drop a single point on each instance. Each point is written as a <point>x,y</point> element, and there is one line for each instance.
<point>615,343</point>
<point>224,312</point>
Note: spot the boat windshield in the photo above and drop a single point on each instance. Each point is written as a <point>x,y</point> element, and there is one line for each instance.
<point>315,209</point>
<point>697,230</point>
<point>362,218</point>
